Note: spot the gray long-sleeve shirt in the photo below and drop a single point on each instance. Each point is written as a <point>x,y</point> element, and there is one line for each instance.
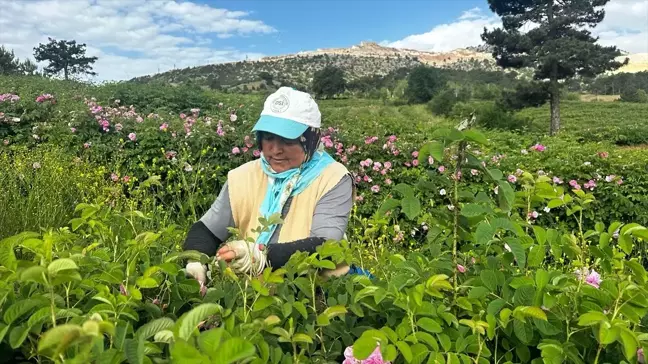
<point>330,218</point>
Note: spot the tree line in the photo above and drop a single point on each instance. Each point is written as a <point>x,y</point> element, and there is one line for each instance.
<point>66,57</point>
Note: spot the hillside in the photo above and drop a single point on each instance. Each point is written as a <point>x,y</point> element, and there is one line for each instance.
<point>358,61</point>
<point>365,59</point>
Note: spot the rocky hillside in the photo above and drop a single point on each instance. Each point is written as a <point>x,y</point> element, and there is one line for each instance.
<point>365,59</point>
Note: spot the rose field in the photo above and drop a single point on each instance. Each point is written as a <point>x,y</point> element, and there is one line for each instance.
<point>485,245</point>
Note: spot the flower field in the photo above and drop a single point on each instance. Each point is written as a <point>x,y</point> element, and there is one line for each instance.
<point>485,246</point>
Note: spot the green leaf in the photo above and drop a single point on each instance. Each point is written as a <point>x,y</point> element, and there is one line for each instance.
<point>388,205</point>
<point>182,352</point>
<point>56,339</point>
<point>411,207</point>
<point>262,303</point>
<point>147,282</point>
<point>536,255</point>
<point>484,233</point>
<point>18,336</point>
<point>489,279</point>
<point>555,203</point>
<point>495,174</point>
<point>472,210</point>
<point>625,243</point>
<point>134,349</point>
<point>405,350</point>
<point>518,252</point>
<point>592,318</point>
<point>495,306</point>
<point>541,278</point>
<point>405,190</point>
<point>302,338</point>
<point>428,339</point>
<point>36,274</point>
<point>523,331</point>
<point>19,309</point>
<point>335,311</point>
<point>210,340</point>
<point>364,346</point>
<point>61,265</point>
<point>475,136</point>
<point>630,343</point>
<point>506,196</point>
<point>188,322</point>
<point>151,328</point>
<point>478,293</point>
<point>604,240</point>
<point>429,325</point>
<point>434,149</point>
<point>540,234</point>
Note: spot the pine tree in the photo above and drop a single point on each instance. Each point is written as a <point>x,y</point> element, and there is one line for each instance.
<point>66,56</point>
<point>558,48</point>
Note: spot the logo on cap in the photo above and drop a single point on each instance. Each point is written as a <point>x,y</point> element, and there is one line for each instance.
<point>280,104</point>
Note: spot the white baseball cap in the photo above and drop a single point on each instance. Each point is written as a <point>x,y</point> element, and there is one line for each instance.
<point>288,113</point>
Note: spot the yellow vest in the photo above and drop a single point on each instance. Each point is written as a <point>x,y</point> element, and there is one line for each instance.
<point>248,184</point>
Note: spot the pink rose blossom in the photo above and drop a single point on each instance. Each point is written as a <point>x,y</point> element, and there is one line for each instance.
<point>461,268</point>
<point>603,154</point>
<point>374,358</point>
<point>441,169</point>
<point>375,188</point>
<point>415,162</point>
<point>388,181</point>
<point>126,179</point>
<point>415,154</point>
<point>430,160</point>
<point>256,153</point>
<point>73,130</point>
<point>233,117</point>
<point>132,136</point>
<point>474,172</point>
<point>557,180</point>
<point>538,148</point>
<point>164,126</point>
<point>114,177</point>
<point>370,140</point>
<point>183,116</point>
<point>392,138</point>
<point>590,185</point>
<point>388,165</point>
<point>511,178</point>
<point>86,145</point>
<point>593,279</point>
<point>236,150</point>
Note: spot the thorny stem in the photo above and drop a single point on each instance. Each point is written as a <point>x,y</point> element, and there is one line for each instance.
<point>481,346</point>
<point>455,203</point>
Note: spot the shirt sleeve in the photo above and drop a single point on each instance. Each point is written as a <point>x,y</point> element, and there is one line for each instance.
<point>331,215</point>
<point>219,217</point>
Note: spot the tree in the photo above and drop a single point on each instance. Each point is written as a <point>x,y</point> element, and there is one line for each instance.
<point>267,77</point>
<point>66,56</point>
<point>423,83</point>
<point>558,48</point>
<point>11,65</point>
<point>328,82</point>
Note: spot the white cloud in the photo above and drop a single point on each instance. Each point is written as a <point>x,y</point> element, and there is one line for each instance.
<point>131,38</point>
<point>464,32</point>
<point>625,25</point>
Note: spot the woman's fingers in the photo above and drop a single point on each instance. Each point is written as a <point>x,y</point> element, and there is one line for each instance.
<point>227,255</point>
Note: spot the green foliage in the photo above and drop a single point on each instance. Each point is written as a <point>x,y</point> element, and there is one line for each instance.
<point>328,82</point>
<point>12,65</point>
<point>64,56</point>
<point>637,95</point>
<point>423,83</point>
<point>444,102</point>
<point>574,50</point>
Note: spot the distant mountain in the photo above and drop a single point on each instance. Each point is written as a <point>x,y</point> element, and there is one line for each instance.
<point>365,59</point>
<point>358,61</point>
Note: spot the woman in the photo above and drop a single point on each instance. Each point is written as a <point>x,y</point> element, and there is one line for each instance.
<point>295,177</point>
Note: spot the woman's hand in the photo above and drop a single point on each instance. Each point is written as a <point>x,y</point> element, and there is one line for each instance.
<point>244,257</point>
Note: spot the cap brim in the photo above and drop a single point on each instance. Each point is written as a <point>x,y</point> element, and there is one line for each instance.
<point>286,128</point>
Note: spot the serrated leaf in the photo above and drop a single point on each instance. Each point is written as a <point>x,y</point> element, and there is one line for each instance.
<point>62,264</point>
<point>411,207</point>
<point>20,308</point>
<point>625,243</point>
<point>592,318</point>
<point>478,293</point>
<point>506,196</point>
<point>630,343</point>
<point>518,252</point>
<point>495,306</point>
<point>489,279</point>
<point>429,325</point>
<point>36,274</point>
<point>405,350</point>
<point>134,349</point>
<point>540,234</point>
<point>484,233</point>
<point>364,346</point>
<point>536,255</point>
<point>151,328</point>
<point>472,210</point>
<point>188,322</point>
<point>302,338</point>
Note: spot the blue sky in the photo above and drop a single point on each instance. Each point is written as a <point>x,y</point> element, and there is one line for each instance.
<point>303,25</point>
<point>138,37</point>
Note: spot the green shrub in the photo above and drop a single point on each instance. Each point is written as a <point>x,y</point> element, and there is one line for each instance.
<point>634,95</point>
<point>42,186</point>
<point>443,103</point>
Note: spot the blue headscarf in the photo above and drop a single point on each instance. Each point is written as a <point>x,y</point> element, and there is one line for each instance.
<point>289,183</point>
